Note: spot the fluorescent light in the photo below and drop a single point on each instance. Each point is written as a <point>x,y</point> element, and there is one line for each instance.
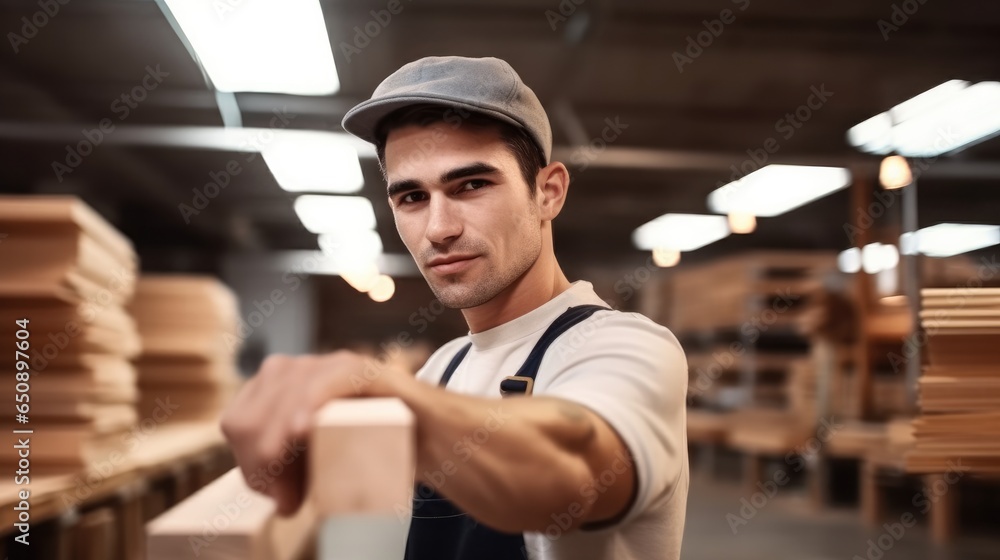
<point>350,245</point>
<point>873,136</point>
<point>280,47</point>
<point>332,214</point>
<point>304,160</point>
<point>945,240</point>
<point>943,119</point>
<point>876,257</point>
<point>362,276</point>
<point>927,101</point>
<point>776,189</point>
<point>849,261</point>
<point>681,232</point>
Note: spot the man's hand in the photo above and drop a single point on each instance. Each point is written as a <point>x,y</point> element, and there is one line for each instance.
<point>268,422</point>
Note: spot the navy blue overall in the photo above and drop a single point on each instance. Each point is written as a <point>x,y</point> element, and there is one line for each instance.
<point>441,531</point>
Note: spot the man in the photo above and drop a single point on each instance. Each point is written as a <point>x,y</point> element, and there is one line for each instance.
<point>585,456</point>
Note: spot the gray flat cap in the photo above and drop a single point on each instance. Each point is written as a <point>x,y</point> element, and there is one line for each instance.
<point>484,85</point>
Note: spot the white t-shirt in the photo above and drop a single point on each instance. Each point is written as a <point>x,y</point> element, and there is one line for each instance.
<point>630,371</point>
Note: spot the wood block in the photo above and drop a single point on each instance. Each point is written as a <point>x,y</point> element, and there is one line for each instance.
<point>227,520</point>
<point>362,457</point>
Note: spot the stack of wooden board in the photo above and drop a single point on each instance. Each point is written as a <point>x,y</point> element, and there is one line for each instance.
<point>189,334</point>
<point>768,290</point>
<point>66,277</point>
<point>960,388</point>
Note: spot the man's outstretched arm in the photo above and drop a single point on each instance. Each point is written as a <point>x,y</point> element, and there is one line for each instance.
<point>510,463</point>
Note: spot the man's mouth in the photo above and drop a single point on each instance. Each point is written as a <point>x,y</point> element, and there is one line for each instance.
<point>451,264</point>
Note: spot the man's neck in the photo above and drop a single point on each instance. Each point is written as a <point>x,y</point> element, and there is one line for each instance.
<point>542,282</point>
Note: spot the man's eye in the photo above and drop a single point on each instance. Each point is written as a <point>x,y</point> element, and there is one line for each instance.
<point>475,183</point>
<point>407,198</point>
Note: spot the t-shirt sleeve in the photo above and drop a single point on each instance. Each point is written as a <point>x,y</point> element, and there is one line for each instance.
<point>631,372</point>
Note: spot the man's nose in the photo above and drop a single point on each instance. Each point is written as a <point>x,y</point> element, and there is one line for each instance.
<point>444,222</point>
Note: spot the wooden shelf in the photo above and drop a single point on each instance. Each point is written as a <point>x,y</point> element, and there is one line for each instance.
<point>162,451</point>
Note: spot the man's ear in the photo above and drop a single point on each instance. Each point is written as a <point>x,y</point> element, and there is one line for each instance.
<point>552,187</point>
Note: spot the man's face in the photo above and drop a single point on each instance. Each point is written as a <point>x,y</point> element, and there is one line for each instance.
<point>463,210</point>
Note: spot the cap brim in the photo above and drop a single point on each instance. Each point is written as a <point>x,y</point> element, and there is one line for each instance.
<point>363,118</point>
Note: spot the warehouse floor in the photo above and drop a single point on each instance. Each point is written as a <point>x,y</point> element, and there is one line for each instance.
<point>787,528</point>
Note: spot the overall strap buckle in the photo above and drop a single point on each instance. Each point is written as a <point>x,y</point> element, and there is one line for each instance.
<point>516,385</point>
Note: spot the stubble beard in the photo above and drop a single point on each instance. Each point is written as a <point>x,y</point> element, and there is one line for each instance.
<point>458,292</point>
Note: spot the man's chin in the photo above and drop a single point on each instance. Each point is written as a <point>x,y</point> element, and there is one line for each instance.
<point>452,296</point>
<point>461,294</point>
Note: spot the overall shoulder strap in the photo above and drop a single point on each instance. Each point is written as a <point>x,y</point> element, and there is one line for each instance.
<point>524,380</point>
<point>453,365</point>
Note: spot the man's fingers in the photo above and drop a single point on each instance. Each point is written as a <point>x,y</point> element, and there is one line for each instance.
<point>325,382</point>
<point>271,417</point>
<point>289,490</point>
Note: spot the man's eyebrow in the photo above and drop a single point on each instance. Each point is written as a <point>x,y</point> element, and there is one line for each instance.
<point>477,168</point>
<point>401,187</point>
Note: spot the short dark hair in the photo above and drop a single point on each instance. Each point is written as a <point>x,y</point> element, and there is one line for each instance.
<point>525,150</point>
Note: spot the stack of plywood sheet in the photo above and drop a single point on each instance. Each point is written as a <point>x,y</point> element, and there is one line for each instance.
<point>189,334</point>
<point>67,275</point>
<point>960,388</point>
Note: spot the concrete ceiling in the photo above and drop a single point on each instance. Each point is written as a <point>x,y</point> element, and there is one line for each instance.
<point>606,60</point>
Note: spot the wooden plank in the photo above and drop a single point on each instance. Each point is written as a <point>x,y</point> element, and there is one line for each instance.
<point>361,465</point>
<point>228,520</point>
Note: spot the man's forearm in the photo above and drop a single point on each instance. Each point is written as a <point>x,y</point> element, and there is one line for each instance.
<point>510,463</point>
